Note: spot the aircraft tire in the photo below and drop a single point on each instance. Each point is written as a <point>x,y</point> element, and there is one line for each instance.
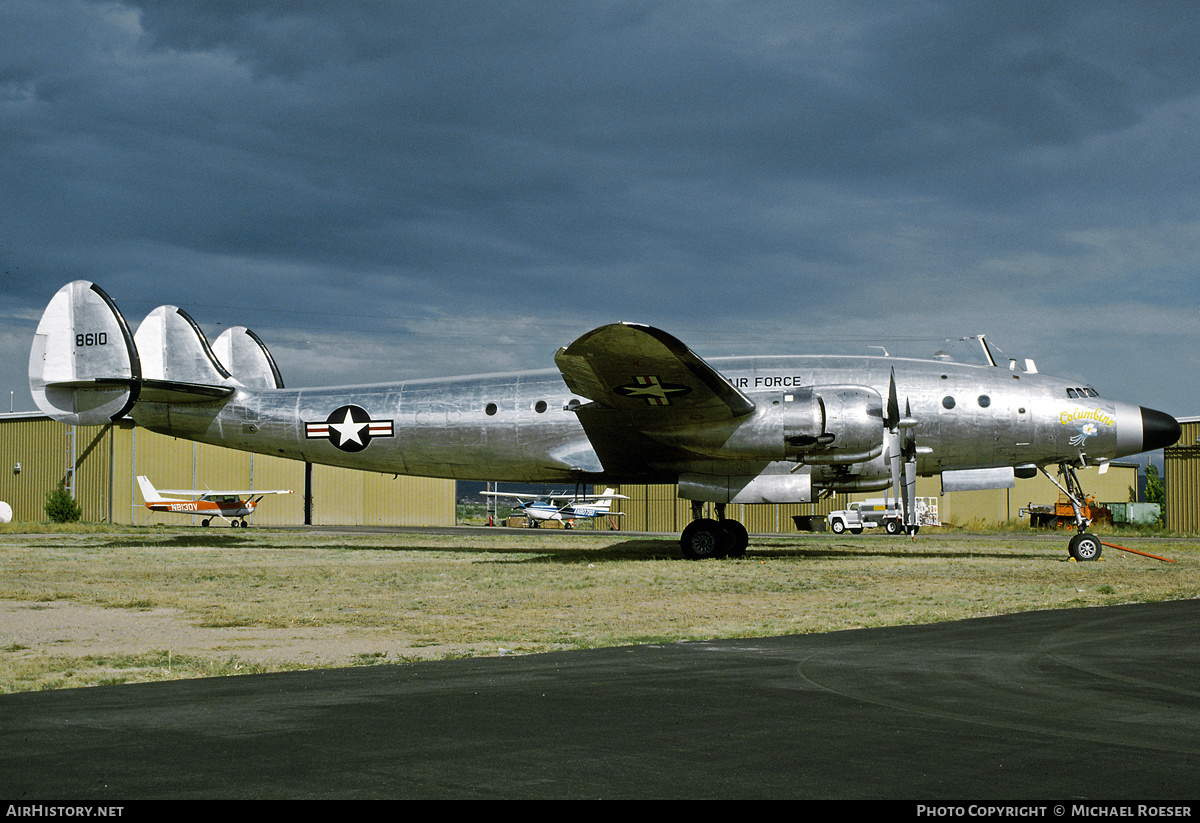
<point>704,540</point>
<point>739,538</point>
<point>1084,547</point>
<point>205,521</point>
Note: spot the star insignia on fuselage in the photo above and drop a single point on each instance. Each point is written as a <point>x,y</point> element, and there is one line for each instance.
<point>652,390</point>
<point>349,428</point>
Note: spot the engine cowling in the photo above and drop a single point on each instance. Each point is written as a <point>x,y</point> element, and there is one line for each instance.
<point>853,430</point>
<point>820,425</point>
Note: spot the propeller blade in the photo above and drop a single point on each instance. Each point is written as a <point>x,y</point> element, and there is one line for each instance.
<point>894,460</point>
<point>908,449</point>
<point>910,496</point>
<point>893,438</point>
<point>893,404</point>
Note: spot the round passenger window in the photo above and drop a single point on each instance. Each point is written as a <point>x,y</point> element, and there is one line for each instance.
<point>984,401</point>
<point>490,408</point>
<point>948,402</point>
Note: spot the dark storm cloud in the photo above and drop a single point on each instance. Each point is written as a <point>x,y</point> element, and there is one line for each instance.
<point>499,177</point>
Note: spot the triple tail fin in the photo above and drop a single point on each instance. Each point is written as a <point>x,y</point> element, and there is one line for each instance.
<point>86,367</point>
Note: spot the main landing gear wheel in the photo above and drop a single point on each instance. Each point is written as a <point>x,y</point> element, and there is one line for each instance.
<point>1084,546</point>
<point>704,539</point>
<point>738,535</point>
<point>707,539</point>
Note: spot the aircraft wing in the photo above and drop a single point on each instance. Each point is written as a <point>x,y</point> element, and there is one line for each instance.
<point>649,394</point>
<point>632,367</point>
<point>585,500</point>
<point>514,495</point>
<point>223,492</point>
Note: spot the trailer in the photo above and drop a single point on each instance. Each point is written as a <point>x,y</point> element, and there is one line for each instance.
<point>1062,514</point>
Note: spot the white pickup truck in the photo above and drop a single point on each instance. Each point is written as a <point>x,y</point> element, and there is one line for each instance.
<point>869,514</point>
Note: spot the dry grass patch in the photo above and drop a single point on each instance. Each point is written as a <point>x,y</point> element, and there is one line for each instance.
<point>242,599</point>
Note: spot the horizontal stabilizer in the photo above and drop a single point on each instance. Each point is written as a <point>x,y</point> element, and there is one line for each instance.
<point>179,393</point>
<point>245,356</point>
<point>84,367</point>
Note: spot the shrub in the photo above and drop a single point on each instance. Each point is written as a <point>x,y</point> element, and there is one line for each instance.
<point>60,507</point>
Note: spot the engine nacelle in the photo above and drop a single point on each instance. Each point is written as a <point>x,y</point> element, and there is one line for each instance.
<point>779,430</point>
<point>820,425</point>
<point>764,488</point>
<point>853,431</point>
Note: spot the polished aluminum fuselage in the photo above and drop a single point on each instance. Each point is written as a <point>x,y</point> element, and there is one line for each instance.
<point>523,427</point>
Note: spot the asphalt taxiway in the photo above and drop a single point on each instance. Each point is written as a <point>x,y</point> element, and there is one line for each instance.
<point>1099,703</point>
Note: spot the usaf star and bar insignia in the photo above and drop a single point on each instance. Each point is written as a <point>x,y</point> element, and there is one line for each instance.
<point>349,428</point>
<point>652,390</point>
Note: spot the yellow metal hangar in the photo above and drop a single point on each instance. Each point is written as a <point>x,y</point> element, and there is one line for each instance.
<point>36,452</point>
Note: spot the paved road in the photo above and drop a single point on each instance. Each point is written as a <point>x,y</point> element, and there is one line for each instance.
<point>1088,703</point>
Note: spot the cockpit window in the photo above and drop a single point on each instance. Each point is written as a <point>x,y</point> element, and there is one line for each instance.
<point>1072,393</point>
<point>1086,391</point>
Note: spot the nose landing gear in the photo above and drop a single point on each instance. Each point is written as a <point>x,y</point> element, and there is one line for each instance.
<point>1083,546</point>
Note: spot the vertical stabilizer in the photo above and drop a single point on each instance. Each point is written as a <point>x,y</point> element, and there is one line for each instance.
<point>149,493</point>
<point>173,348</point>
<point>245,356</point>
<point>84,367</point>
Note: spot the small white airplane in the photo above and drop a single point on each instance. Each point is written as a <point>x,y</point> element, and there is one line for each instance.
<point>564,506</point>
<point>229,505</point>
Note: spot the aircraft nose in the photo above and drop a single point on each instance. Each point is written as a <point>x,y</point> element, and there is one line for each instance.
<point>1159,430</point>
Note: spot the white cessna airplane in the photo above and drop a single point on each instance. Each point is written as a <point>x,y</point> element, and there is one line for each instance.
<point>562,506</point>
<point>626,404</point>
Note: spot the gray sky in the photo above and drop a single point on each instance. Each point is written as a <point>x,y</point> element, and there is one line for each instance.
<point>394,190</point>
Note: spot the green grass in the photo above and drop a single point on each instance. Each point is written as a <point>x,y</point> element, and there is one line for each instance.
<point>44,672</point>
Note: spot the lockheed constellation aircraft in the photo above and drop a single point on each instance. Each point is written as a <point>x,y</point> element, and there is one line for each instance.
<point>627,404</point>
